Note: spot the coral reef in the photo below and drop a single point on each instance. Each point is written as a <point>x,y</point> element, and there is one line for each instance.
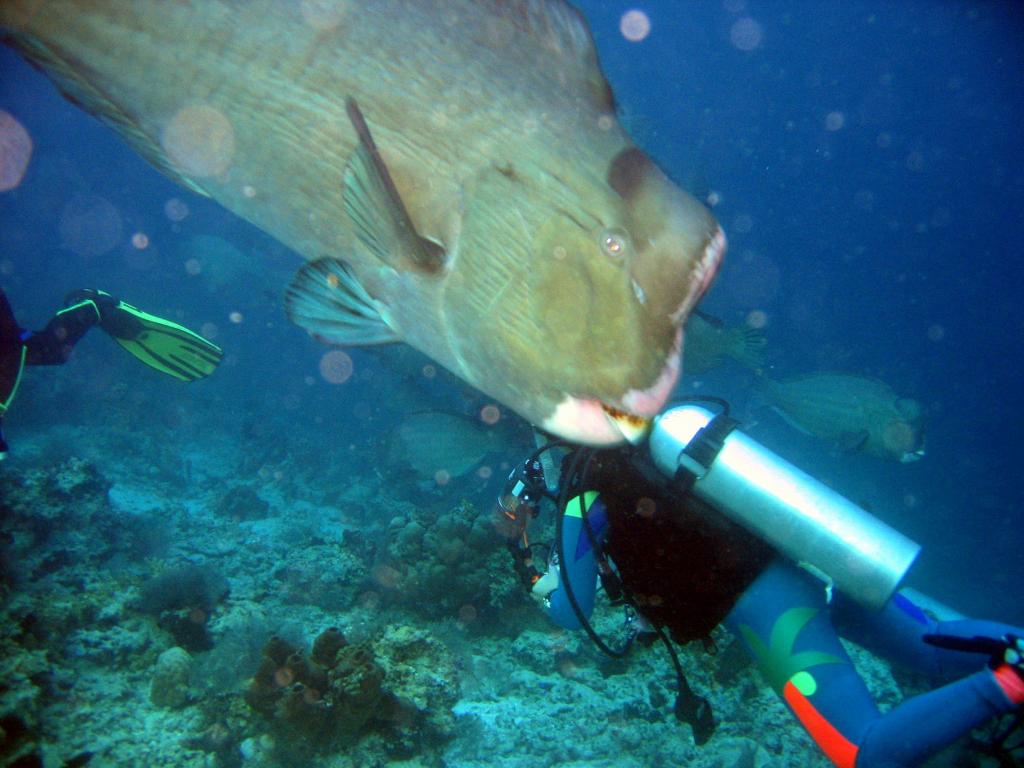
<point>447,563</point>
<point>182,599</point>
<point>242,503</point>
<point>402,684</point>
<point>169,687</point>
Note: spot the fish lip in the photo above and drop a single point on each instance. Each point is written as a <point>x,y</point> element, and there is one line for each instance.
<point>591,421</point>
<point>633,428</point>
<point>704,272</point>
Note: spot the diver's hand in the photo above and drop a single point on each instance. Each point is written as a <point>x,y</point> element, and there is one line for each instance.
<point>1005,657</point>
<point>1008,667</point>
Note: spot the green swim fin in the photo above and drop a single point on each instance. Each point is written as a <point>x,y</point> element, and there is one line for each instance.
<point>159,343</point>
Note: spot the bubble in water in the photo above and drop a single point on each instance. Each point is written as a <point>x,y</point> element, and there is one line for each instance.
<point>645,507</point>
<point>429,371</point>
<point>484,472</point>
<point>176,209</point>
<point>209,330</point>
<point>834,121</point>
<point>442,477</point>
<point>635,25</point>
<point>385,576</point>
<point>236,317</point>
<point>743,222</point>
<point>193,267</point>
<point>757,319</point>
<point>915,162</point>
<point>746,34</point>
<point>140,240</point>
<point>490,414</point>
<point>90,225</point>
<point>200,140</point>
<point>336,366</point>
<point>15,151</point>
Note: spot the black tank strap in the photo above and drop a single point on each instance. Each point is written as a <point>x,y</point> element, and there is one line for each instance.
<point>695,459</point>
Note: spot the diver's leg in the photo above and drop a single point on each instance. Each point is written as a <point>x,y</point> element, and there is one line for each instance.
<point>922,725</point>
<point>53,344</point>
<point>784,620</point>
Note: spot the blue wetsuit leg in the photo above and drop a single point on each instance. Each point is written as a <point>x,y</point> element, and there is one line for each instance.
<point>784,620</point>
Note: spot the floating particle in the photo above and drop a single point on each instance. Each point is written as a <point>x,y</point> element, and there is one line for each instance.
<point>834,121</point>
<point>90,225</point>
<point>15,151</point>
<point>757,319</point>
<point>490,414</point>
<point>746,34</point>
<point>199,140</point>
<point>336,366</point>
<point>176,209</point>
<point>635,25</point>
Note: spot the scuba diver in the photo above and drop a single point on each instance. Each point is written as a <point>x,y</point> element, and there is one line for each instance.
<point>638,521</point>
<point>161,344</point>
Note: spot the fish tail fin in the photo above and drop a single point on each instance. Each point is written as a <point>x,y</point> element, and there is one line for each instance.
<point>747,347</point>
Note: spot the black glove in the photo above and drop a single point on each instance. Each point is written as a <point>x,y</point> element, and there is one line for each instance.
<point>1009,649</point>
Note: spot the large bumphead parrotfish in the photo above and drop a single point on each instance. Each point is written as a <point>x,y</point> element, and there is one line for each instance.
<point>454,173</point>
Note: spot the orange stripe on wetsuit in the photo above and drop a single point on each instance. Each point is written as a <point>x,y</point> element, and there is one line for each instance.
<point>836,747</point>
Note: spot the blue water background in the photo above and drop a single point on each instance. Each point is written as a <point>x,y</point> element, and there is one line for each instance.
<point>867,156</point>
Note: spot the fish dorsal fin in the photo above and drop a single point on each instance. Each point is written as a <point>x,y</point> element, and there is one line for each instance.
<point>80,92</point>
<point>327,300</point>
<point>376,209</point>
<point>555,23</point>
<point>562,30</point>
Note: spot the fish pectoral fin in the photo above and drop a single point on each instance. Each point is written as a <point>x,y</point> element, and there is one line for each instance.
<point>373,204</point>
<point>327,300</point>
<point>851,442</point>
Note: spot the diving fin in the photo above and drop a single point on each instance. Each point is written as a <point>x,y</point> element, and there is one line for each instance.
<point>160,343</point>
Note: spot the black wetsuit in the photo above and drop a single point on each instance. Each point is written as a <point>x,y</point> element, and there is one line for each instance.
<point>684,567</point>
<point>50,346</point>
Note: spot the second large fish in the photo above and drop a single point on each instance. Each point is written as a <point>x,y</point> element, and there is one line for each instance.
<point>454,171</point>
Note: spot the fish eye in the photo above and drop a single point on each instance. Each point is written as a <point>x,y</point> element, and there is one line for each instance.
<point>615,243</point>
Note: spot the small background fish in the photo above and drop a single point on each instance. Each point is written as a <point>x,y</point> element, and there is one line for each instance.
<point>855,413</point>
<point>709,342</point>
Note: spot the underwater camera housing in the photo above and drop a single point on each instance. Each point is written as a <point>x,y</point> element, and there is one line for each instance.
<point>792,511</point>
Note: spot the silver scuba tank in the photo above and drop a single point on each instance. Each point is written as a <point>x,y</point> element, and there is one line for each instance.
<point>798,515</point>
